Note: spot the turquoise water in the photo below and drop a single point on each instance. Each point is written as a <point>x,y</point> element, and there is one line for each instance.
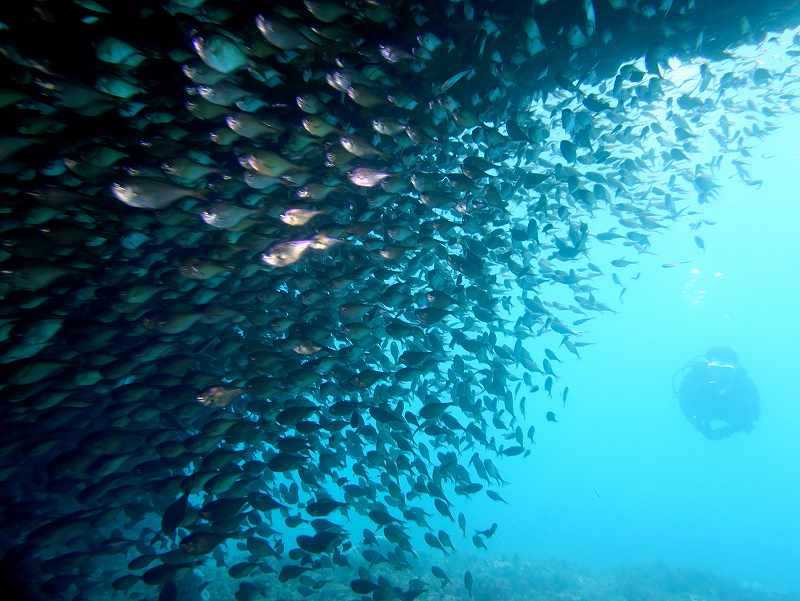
<point>663,492</point>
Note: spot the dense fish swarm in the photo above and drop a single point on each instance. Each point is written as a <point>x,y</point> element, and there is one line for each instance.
<point>269,265</point>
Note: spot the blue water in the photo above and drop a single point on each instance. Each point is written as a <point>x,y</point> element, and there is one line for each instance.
<point>623,478</point>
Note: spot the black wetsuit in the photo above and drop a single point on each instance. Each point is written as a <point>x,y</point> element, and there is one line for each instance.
<point>719,399</point>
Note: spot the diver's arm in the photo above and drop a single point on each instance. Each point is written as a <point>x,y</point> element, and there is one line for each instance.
<point>718,433</point>
<point>702,427</point>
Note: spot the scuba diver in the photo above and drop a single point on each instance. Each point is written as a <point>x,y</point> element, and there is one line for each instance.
<point>717,396</point>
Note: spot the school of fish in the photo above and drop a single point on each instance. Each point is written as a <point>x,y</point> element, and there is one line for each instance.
<point>273,269</point>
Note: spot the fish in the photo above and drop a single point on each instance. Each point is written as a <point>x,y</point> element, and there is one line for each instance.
<point>149,193</point>
<point>218,396</point>
<point>298,217</point>
<point>286,253</point>
<point>366,177</point>
<point>226,216</point>
<point>441,575</point>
